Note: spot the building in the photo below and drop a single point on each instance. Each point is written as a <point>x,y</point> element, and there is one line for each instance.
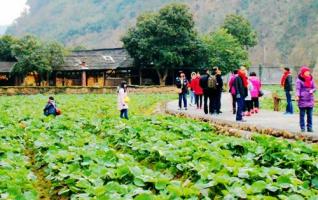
<point>98,67</point>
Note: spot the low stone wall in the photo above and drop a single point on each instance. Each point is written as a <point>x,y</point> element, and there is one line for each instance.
<point>9,91</point>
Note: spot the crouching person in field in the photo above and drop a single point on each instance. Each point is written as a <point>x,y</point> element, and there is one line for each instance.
<point>51,108</point>
<point>123,100</point>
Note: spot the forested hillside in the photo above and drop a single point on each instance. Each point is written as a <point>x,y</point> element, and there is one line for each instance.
<point>287,29</point>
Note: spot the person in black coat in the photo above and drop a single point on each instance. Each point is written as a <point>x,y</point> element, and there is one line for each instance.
<point>287,84</point>
<point>240,84</point>
<point>182,84</point>
<point>207,92</point>
<point>217,92</point>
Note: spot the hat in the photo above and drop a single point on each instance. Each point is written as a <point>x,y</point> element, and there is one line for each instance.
<point>304,69</point>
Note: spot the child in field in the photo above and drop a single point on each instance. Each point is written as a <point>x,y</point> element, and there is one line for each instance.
<point>305,89</point>
<point>123,100</point>
<point>50,108</point>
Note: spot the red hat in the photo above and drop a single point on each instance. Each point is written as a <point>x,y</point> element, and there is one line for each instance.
<point>304,69</point>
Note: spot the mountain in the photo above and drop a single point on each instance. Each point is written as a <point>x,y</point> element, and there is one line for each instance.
<point>3,29</point>
<point>288,29</point>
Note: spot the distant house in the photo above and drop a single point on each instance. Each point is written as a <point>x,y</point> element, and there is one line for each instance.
<point>98,67</point>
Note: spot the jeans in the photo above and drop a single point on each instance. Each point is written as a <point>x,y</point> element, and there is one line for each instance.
<point>207,96</point>
<point>302,113</point>
<point>289,107</point>
<point>183,97</point>
<point>192,97</point>
<point>198,100</point>
<point>124,113</point>
<point>240,107</point>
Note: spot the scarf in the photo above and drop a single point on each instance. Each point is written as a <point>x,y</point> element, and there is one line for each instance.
<point>284,77</point>
<point>307,79</point>
<point>241,73</point>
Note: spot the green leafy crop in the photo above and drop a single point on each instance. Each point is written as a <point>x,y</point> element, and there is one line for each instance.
<point>89,153</point>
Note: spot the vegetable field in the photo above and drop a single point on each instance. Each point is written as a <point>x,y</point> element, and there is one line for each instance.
<point>89,153</point>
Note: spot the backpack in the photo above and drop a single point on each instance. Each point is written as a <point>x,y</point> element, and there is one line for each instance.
<point>212,82</point>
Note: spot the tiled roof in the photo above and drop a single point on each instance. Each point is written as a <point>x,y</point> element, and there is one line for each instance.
<point>97,59</point>
<point>5,67</point>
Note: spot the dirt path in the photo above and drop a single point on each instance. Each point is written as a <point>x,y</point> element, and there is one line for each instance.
<point>42,185</point>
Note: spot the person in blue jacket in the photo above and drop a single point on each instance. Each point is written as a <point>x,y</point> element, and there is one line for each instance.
<point>50,108</point>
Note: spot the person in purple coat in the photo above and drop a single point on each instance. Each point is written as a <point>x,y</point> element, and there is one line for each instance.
<point>305,89</point>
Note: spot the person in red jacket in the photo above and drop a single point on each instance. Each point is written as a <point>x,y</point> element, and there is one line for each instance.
<point>198,91</point>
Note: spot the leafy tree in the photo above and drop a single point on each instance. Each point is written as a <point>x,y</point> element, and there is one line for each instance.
<point>225,51</point>
<point>35,56</point>
<point>55,53</point>
<point>164,40</point>
<point>6,42</point>
<point>241,28</point>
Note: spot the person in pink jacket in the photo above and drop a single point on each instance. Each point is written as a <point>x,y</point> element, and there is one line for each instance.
<point>255,92</point>
<point>232,90</point>
<point>122,100</point>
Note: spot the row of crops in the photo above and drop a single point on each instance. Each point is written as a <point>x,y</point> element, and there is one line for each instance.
<point>88,153</point>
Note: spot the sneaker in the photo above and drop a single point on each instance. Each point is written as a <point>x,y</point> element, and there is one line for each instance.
<point>256,110</point>
<point>242,120</point>
<point>310,130</point>
<point>303,130</point>
<point>179,108</point>
<point>186,108</point>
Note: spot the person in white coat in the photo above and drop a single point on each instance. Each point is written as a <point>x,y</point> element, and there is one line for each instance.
<point>248,100</point>
<point>123,100</point>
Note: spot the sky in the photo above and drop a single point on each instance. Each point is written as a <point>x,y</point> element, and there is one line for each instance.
<point>10,10</point>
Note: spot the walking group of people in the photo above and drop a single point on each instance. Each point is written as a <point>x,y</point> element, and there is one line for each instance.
<point>245,89</point>
<point>207,87</point>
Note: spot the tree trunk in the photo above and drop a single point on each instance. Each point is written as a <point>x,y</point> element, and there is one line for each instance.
<point>162,76</point>
<point>47,79</point>
<point>140,76</point>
